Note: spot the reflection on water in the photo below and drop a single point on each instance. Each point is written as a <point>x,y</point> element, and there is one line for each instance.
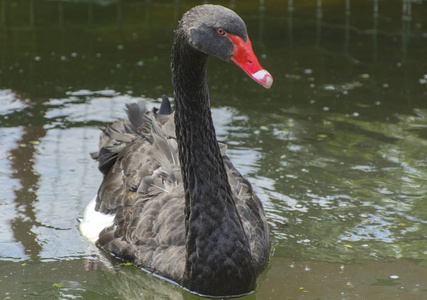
<point>285,279</point>
<point>336,149</point>
<point>22,162</point>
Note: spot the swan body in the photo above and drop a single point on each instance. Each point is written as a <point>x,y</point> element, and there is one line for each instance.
<point>181,210</point>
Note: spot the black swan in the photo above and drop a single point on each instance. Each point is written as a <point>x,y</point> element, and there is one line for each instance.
<point>171,200</point>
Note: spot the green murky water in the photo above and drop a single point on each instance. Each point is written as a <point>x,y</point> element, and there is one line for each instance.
<point>336,149</point>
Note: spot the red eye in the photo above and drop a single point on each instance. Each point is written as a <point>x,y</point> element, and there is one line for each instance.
<point>221,31</point>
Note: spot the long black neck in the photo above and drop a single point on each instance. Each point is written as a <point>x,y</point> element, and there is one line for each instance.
<point>218,255</point>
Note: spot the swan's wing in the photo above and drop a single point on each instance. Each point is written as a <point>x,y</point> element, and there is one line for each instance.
<point>251,213</point>
<point>132,155</point>
<point>142,186</point>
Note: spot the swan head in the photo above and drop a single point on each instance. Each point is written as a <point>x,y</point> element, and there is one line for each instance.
<point>218,31</point>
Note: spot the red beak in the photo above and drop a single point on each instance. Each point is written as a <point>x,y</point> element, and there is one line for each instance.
<point>244,57</point>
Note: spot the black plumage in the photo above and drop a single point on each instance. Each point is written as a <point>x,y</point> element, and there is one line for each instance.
<point>181,209</point>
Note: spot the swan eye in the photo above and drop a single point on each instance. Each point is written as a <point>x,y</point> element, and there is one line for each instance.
<point>220,31</point>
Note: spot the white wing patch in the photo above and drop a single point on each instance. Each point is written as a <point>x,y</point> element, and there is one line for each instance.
<point>94,222</point>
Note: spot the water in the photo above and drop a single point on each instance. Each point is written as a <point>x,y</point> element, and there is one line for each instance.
<point>336,149</point>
